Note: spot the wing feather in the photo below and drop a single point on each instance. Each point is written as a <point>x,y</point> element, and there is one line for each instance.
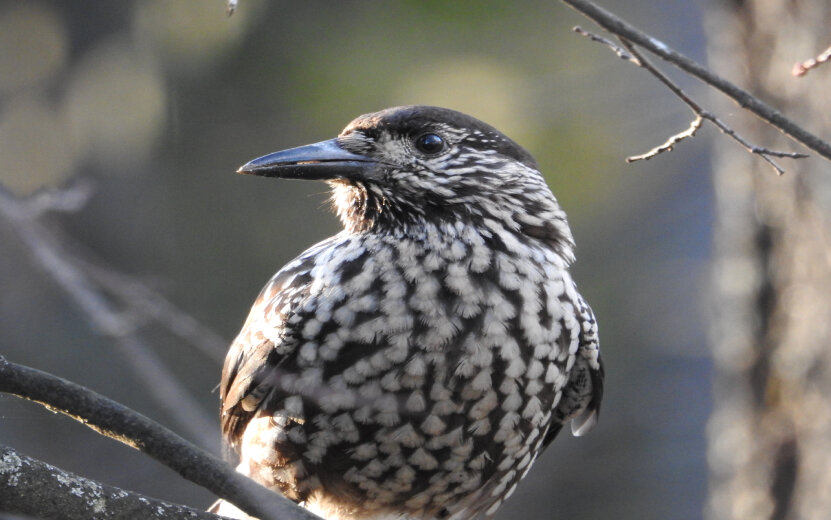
<point>266,340</point>
<point>580,402</point>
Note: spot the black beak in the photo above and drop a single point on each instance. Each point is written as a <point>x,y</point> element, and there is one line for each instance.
<point>320,161</point>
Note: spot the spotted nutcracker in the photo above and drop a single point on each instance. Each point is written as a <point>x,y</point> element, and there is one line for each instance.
<point>414,365</point>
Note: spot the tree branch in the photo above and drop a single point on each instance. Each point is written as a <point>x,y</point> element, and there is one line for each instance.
<point>744,99</point>
<point>105,318</point>
<point>34,488</point>
<point>670,143</point>
<point>701,114</point>
<point>116,421</point>
<point>800,69</point>
<point>145,303</point>
<point>629,53</point>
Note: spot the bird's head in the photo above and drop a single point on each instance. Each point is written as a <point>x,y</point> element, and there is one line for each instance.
<point>406,167</point>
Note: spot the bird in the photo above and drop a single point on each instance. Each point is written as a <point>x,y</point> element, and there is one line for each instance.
<point>416,364</point>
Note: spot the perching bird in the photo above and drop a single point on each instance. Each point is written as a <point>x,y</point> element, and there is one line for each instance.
<point>414,365</point>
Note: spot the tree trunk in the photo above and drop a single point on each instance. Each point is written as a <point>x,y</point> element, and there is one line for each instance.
<point>770,432</point>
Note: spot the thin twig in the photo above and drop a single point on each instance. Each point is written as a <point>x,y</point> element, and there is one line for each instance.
<point>618,27</point>
<point>133,429</point>
<point>147,303</point>
<point>800,69</point>
<point>39,490</point>
<point>631,54</point>
<point>668,145</point>
<point>141,302</point>
<point>71,198</point>
<point>160,382</point>
<point>762,152</point>
<point>617,49</point>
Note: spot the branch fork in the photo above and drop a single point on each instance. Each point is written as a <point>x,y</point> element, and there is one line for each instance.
<point>630,38</point>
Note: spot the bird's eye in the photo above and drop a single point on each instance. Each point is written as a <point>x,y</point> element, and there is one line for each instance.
<point>429,144</point>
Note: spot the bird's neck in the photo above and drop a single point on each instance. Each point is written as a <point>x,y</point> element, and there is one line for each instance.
<point>368,209</point>
<point>364,211</point>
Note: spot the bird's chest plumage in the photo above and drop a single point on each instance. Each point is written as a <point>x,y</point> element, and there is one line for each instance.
<point>416,373</point>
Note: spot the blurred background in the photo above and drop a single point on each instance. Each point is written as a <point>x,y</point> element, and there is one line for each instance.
<point>144,109</point>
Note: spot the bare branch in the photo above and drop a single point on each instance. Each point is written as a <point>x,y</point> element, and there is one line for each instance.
<point>631,54</point>
<point>116,421</point>
<point>617,49</point>
<point>670,143</point>
<point>762,152</point>
<point>800,69</point>
<point>140,300</point>
<point>146,303</point>
<point>620,28</point>
<point>34,488</point>
<point>102,315</point>
<point>86,285</point>
<point>71,198</point>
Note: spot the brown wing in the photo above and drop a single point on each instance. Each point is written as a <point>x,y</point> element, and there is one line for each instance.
<point>265,342</point>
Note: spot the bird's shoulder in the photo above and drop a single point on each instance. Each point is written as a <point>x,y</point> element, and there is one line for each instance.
<point>271,332</point>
